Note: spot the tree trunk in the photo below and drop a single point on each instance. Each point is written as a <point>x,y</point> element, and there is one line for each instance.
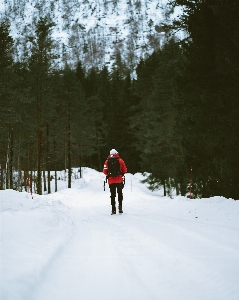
<point>80,160</point>
<point>69,164</point>
<point>49,181</point>
<point>8,158</point>
<point>48,160</point>
<point>55,165</point>
<point>1,178</point>
<point>164,188</point>
<point>69,145</point>
<point>19,181</point>
<point>44,180</point>
<point>99,159</point>
<point>177,187</point>
<point>35,187</point>
<point>31,180</point>
<point>39,163</point>
<point>11,161</point>
<point>25,180</point>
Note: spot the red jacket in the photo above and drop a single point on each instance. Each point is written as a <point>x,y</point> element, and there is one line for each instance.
<point>123,170</point>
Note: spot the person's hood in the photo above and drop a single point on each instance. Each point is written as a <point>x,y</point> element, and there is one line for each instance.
<point>113,151</point>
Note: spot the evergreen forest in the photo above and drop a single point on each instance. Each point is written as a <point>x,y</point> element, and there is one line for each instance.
<point>177,120</point>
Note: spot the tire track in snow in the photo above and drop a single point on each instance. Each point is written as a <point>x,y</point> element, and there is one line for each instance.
<point>199,251</point>
<point>133,253</point>
<point>39,277</point>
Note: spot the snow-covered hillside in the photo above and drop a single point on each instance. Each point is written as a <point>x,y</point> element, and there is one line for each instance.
<point>91,31</point>
<point>67,245</point>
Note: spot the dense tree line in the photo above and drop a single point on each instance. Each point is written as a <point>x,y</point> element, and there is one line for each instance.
<point>189,91</point>
<point>210,94</point>
<point>182,110</point>
<point>58,118</point>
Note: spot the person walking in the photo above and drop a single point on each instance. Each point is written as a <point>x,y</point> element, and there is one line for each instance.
<point>114,169</point>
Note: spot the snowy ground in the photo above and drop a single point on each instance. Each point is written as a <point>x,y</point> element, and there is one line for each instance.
<point>67,246</point>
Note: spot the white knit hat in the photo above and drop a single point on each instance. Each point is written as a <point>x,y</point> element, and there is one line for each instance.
<point>113,151</point>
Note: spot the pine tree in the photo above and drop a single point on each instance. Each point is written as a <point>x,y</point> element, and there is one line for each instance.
<point>10,112</point>
<point>159,140</point>
<point>40,68</point>
<point>6,61</point>
<point>210,107</point>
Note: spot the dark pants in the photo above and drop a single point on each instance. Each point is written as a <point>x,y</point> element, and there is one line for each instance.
<point>113,187</point>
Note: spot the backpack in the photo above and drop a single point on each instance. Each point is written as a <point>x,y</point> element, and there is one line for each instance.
<point>113,167</point>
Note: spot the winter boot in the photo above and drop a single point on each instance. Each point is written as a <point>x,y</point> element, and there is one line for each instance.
<point>113,205</point>
<point>113,210</point>
<point>120,210</point>
<point>120,198</point>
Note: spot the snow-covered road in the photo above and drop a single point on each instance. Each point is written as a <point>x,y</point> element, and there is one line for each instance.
<point>67,246</point>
